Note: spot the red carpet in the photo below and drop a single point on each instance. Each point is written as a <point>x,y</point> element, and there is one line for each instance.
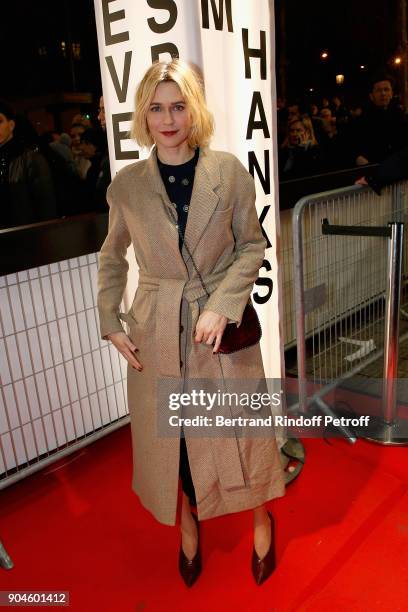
<point>342,537</point>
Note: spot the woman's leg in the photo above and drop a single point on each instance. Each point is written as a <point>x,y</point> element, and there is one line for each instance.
<point>189,535</point>
<point>262,531</point>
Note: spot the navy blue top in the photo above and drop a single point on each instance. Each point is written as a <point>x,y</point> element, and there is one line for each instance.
<point>178,181</point>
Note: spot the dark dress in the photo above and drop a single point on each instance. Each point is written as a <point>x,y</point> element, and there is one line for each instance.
<point>179,181</point>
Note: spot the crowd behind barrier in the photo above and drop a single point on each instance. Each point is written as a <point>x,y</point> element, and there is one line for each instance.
<point>52,175</point>
<point>328,135</point>
<point>57,175</point>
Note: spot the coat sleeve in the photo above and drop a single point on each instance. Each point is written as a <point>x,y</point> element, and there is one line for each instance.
<point>232,294</point>
<point>391,170</point>
<point>113,269</point>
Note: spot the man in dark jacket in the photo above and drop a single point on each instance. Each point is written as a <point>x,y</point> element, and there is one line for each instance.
<point>391,170</point>
<point>26,188</point>
<point>382,128</point>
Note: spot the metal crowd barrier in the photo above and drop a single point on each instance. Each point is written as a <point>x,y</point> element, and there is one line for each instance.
<point>62,387</point>
<point>286,260</point>
<point>348,281</point>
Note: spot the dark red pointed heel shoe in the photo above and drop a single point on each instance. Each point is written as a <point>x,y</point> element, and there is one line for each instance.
<point>263,568</point>
<point>190,570</point>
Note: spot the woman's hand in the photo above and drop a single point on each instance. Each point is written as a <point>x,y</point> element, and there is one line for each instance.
<point>210,326</point>
<point>125,346</point>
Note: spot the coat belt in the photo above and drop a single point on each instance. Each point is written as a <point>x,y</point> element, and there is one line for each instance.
<point>170,293</point>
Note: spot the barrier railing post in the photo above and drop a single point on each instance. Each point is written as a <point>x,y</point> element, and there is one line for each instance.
<point>393,301</point>
<point>377,286</point>
<point>5,560</point>
<point>300,308</point>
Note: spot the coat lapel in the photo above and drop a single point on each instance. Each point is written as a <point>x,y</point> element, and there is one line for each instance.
<point>154,178</point>
<point>203,198</point>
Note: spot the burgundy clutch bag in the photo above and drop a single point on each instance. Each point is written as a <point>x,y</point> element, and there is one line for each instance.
<point>247,334</point>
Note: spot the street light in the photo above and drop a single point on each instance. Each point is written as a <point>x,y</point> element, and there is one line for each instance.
<point>397,60</point>
<point>324,55</point>
<point>339,79</point>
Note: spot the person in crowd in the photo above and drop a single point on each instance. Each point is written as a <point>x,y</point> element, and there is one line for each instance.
<point>310,135</point>
<point>26,188</point>
<point>105,176</point>
<point>280,103</point>
<point>318,122</point>
<point>356,111</point>
<point>81,119</point>
<point>314,114</point>
<point>327,115</point>
<point>313,110</point>
<point>300,154</point>
<point>82,164</point>
<point>382,128</point>
<point>335,150</point>
<point>69,187</point>
<point>187,203</point>
<point>391,170</point>
<point>325,103</point>
<point>101,114</point>
<point>62,147</point>
<point>93,146</point>
<point>293,111</point>
<point>340,112</point>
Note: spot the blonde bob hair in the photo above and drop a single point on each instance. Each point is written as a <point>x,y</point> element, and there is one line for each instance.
<point>191,87</point>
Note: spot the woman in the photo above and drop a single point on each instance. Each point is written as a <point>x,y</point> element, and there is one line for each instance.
<point>211,198</point>
<point>300,153</point>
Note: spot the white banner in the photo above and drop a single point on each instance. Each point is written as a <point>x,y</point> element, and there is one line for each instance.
<point>233,43</point>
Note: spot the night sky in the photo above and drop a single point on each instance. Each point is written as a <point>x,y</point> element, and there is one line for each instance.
<point>354,33</point>
<point>34,23</point>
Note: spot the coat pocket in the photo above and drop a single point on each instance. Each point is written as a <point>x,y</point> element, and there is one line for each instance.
<point>143,307</point>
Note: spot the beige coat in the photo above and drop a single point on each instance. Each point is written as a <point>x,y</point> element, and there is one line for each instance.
<point>224,235</point>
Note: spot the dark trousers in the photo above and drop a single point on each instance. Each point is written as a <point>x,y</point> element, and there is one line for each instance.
<point>185,473</point>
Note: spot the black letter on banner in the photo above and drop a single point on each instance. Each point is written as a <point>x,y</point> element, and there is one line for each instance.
<point>121,90</point>
<point>119,135</point>
<point>253,164</point>
<point>166,5</point>
<point>169,48</point>
<point>257,125</point>
<point>218,15</point>
<point>108,18</point>
<point>248,53</point>
<point>261,220</point>
<point>264,282</point>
